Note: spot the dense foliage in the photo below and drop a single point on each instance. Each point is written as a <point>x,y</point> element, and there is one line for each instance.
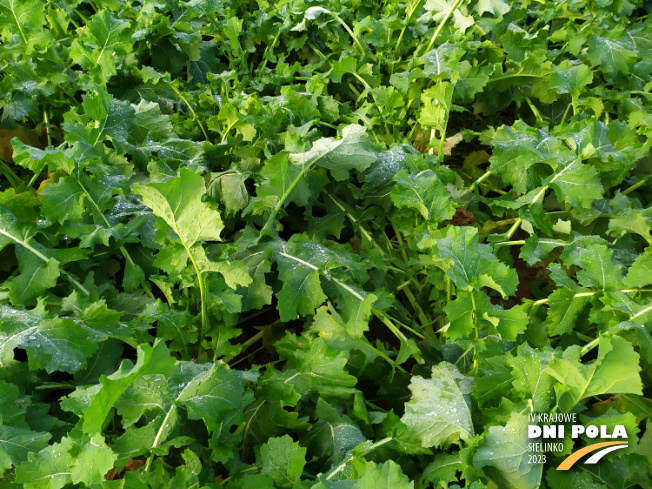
<point>322,244</point>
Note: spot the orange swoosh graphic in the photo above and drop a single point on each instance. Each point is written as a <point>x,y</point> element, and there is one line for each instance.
<point>574,457</point>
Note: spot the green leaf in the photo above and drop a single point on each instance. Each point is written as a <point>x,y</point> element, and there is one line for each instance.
<point>51,468</point>
<point>503,455</point>
<point>313,367</point>
<point>569,478</point>
<point>301,292</point>
<point>35,278</point>
<point>443,469</point>
<point>578,184</point>
<point>171,325</point>
<point>51,344</point>
<point>466,261</point>
<point>628,471</point>
<point>425,193</point>
<point>568,78</point>
<point>496,7</point>
<point>258,294</point>
<point>462,315</point>
<point>104,118</point>
<point>10,412</point>
<point>36,159</point>
<point>95,459</point>
<point>100,40</point>
<point>565,307</point>
<point>150,360</point>
<point>63,200</point>
<point>640,273</point>
<point>442,60</point>
<point>301,262</point>
<point>387,475</point>
<point>630,222</point>
<point>531,377</point>
<point>472,79</point>
<point>283,460</point>
<point>615,371</point>
<point>404,440</point>
<point>615,53</point>
<point>267,417</point>
<point>353,151</point>
<point>333,435</point>
<point>537,249</point>
<point>232,191</point>
<point>388,164</point>
<point>178,202</point>
<point>22,20</point>
<point>214,393</point>
<point>494,381</point>
<point>519,147</point>
<point>508,323</point>
<point>340,335</point>
<point>281,174</point>
<point>439,411</point>
<point>599,269</point>
<point>437,105</point>
<point>16,443</point>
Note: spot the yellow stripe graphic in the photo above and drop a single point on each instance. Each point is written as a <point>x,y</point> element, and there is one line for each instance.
<point>574,457</point>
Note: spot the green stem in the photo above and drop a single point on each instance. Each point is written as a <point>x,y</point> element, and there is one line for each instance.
<point>520,242</point>
<point>534,110</point>
<point>254,338</point>
<point>348,29</point>
<point>516,75</point>
<point>441,25</point>
<point>121,247</point>
<point>192,111</point>
<point>565,114</point>
<point>594,292</point>
<point>340,467</point>
<point>47,126</point>
<point>32,180</point>
<point>415,305</point>
<point>24,244</point>
<point>286,194</point>
<point>82,16</point>
<point>408,17</point>
<point>407,291</point>
<point>389,322</point>
<point>202,295</point>
<point>11,176</point>
<point>486,175</point>
<point>348,212</point>
<point>375,311</point>
<point>637,185</point>
<point>355,91</point>
<point>202,286</point>
<point>226,133</point>
<point>54,386</point>
<point>589,346</point>
<point>641,312</point>
<point>514,227</point>
<point>441,141</point>
<point>374,406</point>
<point>269,46</point>
<point>373,101</point>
